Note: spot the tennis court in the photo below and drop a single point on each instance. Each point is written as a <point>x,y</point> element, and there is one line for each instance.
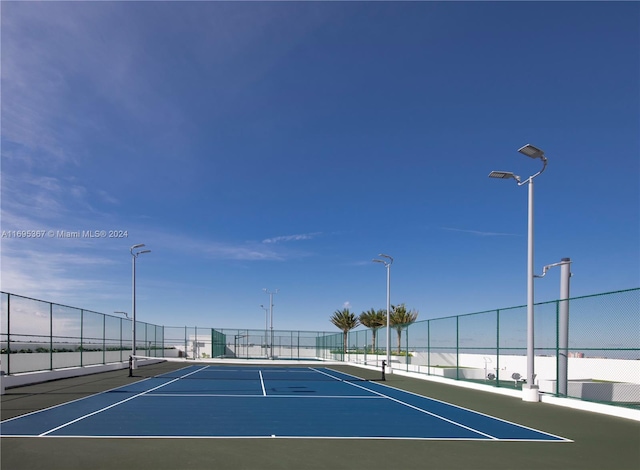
<point>265,402</point>
<point>291,417</point>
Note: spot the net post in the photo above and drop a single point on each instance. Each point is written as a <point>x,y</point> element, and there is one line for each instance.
<point>384,364</point>
<point>130,366</point>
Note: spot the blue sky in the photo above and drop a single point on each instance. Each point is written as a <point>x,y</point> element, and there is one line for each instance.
<point>284,145</point>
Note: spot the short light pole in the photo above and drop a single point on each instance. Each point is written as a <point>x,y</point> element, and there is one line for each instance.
<point>530,390</point>
<point>271,314</point>
<point>387,264</point>
<point>135,252</point>
<point>266,329</point>
<point>563,322</point>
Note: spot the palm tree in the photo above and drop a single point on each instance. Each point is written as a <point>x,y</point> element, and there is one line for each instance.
<point>400,318</point>
<point>374,319</point>
<point>345,320</point>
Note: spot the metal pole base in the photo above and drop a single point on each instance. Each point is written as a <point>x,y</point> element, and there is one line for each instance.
<point>530,393</point>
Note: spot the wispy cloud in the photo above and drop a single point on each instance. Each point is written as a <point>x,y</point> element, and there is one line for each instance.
<point>39,202</point>
<point>39,272</point>
<point>359,263</point>
<point>289,238</point>
<point>213,249</point>
<point>479,232</point>
<point>243,252</point>
<point>45,115</point>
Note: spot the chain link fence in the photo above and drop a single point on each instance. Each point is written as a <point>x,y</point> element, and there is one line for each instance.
<point>601,361</point>
<point>203,343</point>
<point>36,335</point>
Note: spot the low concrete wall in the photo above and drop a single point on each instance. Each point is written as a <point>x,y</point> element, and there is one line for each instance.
<point>597,391</point>
<point>620,378</point>
<point>35,362</point>
<point>579,368</point>
<point>17,380</point>
<point>621,412</point>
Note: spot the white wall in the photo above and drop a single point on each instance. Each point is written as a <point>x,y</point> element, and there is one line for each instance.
<point>7,381</point>
<point>32,362</point>
<point>586,368</point>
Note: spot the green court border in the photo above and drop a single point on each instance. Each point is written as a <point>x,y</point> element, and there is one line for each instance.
<point>600,441</point>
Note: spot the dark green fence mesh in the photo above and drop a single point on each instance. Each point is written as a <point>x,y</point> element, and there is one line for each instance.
<point>601,360</point>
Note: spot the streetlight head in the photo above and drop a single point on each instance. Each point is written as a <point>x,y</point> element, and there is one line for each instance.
<point>139,245</point>
<point>378,261</point>
<point>144,251</point>
<point>505,175</point>
<point>531,151</point>
<point>386,256</point>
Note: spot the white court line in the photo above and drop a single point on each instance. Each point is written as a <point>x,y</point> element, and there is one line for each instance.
<point>88,396</point>
<point>228,395</point>
<point>564,439</point>
<point>377,396</point>
<point>411,406</point>
<point>118,403</point>
<point>264,392</point>
<point>68,402</point>
<point>333,438</point>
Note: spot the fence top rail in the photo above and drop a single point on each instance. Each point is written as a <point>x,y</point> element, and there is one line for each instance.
<point>404,325</point>
<point>325,333</point>
<point>85,310</point>
<point>257,330</point>
<point>547,302</point>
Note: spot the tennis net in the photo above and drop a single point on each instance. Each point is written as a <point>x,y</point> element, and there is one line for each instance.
<point>212,369</point>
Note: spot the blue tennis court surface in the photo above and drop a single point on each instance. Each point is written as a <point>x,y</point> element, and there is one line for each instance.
<point>210,401</point>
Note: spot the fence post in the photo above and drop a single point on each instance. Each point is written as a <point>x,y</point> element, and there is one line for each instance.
<point>498,347</point>
<point>366,345</point>
<point>50,336</point>
<point>120,334</point>
<point>406,352</point>
<point>563,324</point>
<point>81,333</point>
<point>428,347</point>
<point>458,347</point>
<point>104,338</point>
<point>8,334</point>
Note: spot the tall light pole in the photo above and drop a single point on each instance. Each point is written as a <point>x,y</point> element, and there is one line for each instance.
<point>266,329</point>
<point>387,264</point>
<point>271,313</point>
<point>530,390</point>
<point>134,256</point>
